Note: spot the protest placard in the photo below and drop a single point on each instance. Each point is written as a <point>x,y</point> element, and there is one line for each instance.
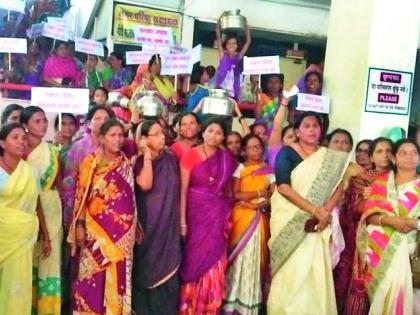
<point>261,65</point>
<point>176,64</point>
<point>314,103</point>
<point>13,5</point>
<point>13,45</point>
<point>154,35</point>
<point>90,47</point>
<point>61,100</point>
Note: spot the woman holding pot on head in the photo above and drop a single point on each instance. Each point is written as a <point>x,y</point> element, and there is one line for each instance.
<point>349,273</point>
<point>103,228</point>
<point>158,257</point>
<point>308,188</point>
<point>19,207</point>
<point>387,234</point>
<point>44,157</point>
<point>206,203</point>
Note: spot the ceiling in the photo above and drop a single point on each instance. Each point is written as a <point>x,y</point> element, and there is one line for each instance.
<point>322,4</point>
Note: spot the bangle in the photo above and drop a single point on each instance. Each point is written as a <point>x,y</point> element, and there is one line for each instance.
<point>314,210</point>
<point>147,159</point>
<point>81,223</point>
<point>380,219</point>
<point>283,105</point>
<point>259,194</point>
<point>183,225</point>
<point>240,118</point>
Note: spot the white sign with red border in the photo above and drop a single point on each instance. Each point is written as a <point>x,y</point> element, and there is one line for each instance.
<point>61,100</point>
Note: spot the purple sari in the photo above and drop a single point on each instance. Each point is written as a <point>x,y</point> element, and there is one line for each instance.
<point>208,211</point>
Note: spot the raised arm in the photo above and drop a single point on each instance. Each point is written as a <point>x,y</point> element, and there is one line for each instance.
<point>145,179</point>
<point>247,42</point>
<point>219,37</point>
<point>275,137</point>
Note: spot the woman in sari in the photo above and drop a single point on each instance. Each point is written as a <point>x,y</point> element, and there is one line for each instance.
<point>103,228</point>
<point>206,203</point>
<point>388,232</point>
<point>308,178</point>
<point>44,158</point>
<point>122,76</point>
<point>33,67</point>
<point>19,191</point>
<point>189,130</point>
<point>158,257</point>
<point>60,70</point>
<point>350,290</point>
<point>248,257</point>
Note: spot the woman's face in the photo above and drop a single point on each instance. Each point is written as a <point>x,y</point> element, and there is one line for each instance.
<point>61,50</point>
<point>254,150</point>
<point>115,63</point>
<point>68,127</point>
<point>362,155</point>
<point>213,135</point>
<point>189,127</point>
<point>309,131</point>
<point>156,138</point>
<point>113,140</point>
<point>38,125</point>
<point>155,68</point>
<point>15,143</point>
<point>274,86</point>
<point>289,137</point>
<point>204,78</point>
<point>340,142</point>
<point>34,48</point>
<point>99,97</point>
<point>14,117</point>
<point>381,156</point>
<point>262,132</point>
<point>313,85</point>
<point>98,120</point>
<point>233,143</point>
<point>232,46</point>
<point>407,157</point>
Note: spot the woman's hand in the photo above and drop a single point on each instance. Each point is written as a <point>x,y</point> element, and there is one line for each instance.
<point>323,216</point>
<point>144,148</point>
<point>403,225</point>
<point>80,235</point>
<point>46,248</point>
<point>184,230</point>
<point>367,192</point>
<point>139,234</point>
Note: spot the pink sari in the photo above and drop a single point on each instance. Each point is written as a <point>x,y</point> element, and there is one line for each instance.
<point>57,67</point>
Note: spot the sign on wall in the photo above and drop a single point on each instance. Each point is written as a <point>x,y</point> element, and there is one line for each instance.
<point>389,91</point>
<point>129,17</point>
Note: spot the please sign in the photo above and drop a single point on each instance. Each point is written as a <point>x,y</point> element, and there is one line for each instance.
<point>61,100</point>
<point>261,65</point>
<point>314,103</point>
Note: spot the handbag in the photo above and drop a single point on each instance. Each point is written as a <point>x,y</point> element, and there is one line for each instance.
<point>415,265</point>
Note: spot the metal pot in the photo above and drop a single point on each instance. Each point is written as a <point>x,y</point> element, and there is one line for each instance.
<point>118,98</point>
<point>233,21</point>
<point>150,105</point>
<point>218,103</point>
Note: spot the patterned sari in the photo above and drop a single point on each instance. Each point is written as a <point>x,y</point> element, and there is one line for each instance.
<point>18,233</point>
<point>385,250</point>
<point>47,279</point>
<point>248,252</point>
<point>208,210</point>
<point>302,281</point>
<point>105,194</point>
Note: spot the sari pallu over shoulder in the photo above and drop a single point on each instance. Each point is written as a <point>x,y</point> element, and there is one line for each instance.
<point>315,178</point>
<point>208,211</point>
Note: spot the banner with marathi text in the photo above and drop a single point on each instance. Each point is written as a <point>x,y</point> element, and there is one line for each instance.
<point>127,17</point>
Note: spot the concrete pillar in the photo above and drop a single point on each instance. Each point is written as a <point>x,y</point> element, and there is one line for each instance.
<point>367,34</point>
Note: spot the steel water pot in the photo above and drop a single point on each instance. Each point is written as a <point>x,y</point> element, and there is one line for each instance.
<point>232,21</point>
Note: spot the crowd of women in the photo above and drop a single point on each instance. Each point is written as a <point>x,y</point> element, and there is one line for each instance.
<point>191,219</point>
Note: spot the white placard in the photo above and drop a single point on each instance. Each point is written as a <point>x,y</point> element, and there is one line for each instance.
<point>13,45</point>
<point>261,65</point>
<point>195,54</point>
<point>90,47</point>
<point>389,91</point>
<point>61,100</point>
<point>37,30</point>
<point>137,57</point>
<point>313,103</point>
<point>13,5</point>
<point>57,30</point>
<point>176,64</point>
<point>153,35</point>
<point>153,49</point>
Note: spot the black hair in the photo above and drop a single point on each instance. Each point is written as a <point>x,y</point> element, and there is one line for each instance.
<point>366,141</point>
<point>245,140</point>
<point>103,90</point>
<point>265,78</point>
<point>68,115</point>
<point>155,59</point>
<point>214,120</point>
<point>146,126</point>
<point>397,145</point>
<point>94,109</point>
<point>119,56</point>
<point>299,119</point>
<point>374,144</point>
<point>58,43</point>
<point>84,57</point>
<point>181,117</point>
<point>234,133</point>
<point>6,130</point>
<point>8,111</point>
<point>27,113</point>
<point>228,38</point>
<point>211,71</point>
<point>196,74</point>
<point>109,124</point>
<point>285,130</point>
<point>316,73</point>
<point>257,124</point>
<point>340,131</point>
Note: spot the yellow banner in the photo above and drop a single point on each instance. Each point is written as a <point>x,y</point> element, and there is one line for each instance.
<point>127,17</point>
